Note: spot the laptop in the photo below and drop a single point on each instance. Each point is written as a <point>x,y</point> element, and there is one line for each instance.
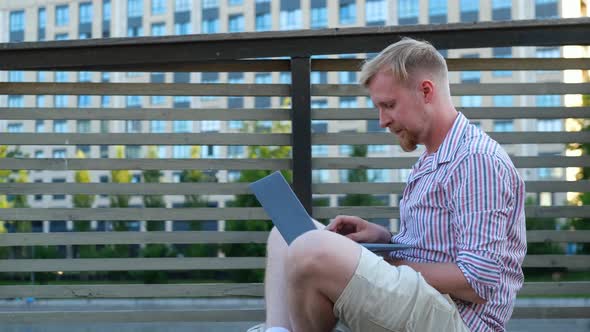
<point>288,214</point>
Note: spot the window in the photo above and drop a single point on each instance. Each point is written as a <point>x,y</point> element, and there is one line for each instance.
<point>157,126</point>
<point>377,175</point>
<point>158,29</point>
<point>549,125</point>
<point>15,128</point>
<point>40,101</point>
<point>469,10</point>
<point>83,101</point>
<point>546,8</point>
<point>59,153</point>
<point>39,154</point>
<point>210,4</point>
<point>503,101</point>
<point>263,78</point>
<point>60,126</point>
<point>62,15</point>
<point>347,77</point>
<point>105,101</point>
<point>134,31</point>
<point>503,125</point>
<point>15,76</point>
<point>548,52</point>
<point>236,23</point>
<point>16,101</point>
<point>319,18</point>
<point>133,152</point>
<point>501,10</point>
<point>83,126</point>
<point>285,77</point>
<point>183,28</point>
<point>85,149</point>
<point>210,126</point>
<point>320,175</point>
<point>347,13</point>
<point>182,5</point>
<point>61,101</point>
<point>319,150</point>
<point>86,12</point>
<point>158,7</point>
<point>438,11</point>
<point>61,36</point>
<point>502,52</point>
<point>133,126</point>
<point>471,101</point>
<point>235,2</point>
<point>408,11</point>
<point>348,102</point>
<point>290,19</point>
<point>319,103</point>
<point>17,21</point>
<point>84,76</point>
<point>181,126</point>
<point>470,76</point>
<point>209,78</point>
<point>345,150</point>
<point>133,101</point>
<point>263,22</point>
<point>375,12</point>
<point>42,18</point>
<point>548,100</point>
<point>377,148</point>
<point>157,100</point>
<point>210,25</point>
<point>134,8</point>
<point>39,126</point>
<point>106,10</point>
<point>321,77</point>
<point>210,151</point>
<point>58,225</point>
<point>235,151</point>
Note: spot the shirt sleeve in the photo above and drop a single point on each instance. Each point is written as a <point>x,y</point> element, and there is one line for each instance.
<point>481,203</point>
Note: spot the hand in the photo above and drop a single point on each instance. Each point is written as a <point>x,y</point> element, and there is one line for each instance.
<point>359,230</point>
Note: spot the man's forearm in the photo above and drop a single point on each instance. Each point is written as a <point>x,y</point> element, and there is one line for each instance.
<point>447,278</point>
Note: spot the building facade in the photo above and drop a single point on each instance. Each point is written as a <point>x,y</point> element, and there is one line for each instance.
<point>41,20</point>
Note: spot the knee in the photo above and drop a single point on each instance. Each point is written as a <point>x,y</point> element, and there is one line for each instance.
<point>307,256</point>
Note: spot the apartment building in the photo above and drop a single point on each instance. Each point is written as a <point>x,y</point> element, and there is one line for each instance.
<point>41,20</point>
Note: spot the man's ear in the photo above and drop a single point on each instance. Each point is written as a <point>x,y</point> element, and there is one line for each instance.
<point>427,91</point>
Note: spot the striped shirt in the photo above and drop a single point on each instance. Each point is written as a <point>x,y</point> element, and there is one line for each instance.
<point>465,204</point>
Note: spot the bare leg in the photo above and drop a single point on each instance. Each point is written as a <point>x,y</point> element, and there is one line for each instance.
<point>319,265</point>
<point>275,283</point>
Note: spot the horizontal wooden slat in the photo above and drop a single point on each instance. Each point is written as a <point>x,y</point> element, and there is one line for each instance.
<point>551,261</point>
<point>265,65</point>
<point>129,316</point>
<point>126,188</point>
<point>578,235</point>
<point>470,112</point>
<point>91,238</point>
<point>131,264</point>
<point>133,291</point>
<point>469,64</point>
<point>131,214</point>
<point>142,164</point>
<point>467,89</point>
<point>221,315</point>
<point>501,137</point>
<point>146,139</point>
<point>170,114</point>
<point>397,187</point>
<point>407,162</point>
<point>145,89</point>
<point>208,237</point>
<point>555,288</point>
<point>551,312</point>
<point>265,139</point>
<point>166,114</point>
<point>220,290</point>
<point>216,263</point>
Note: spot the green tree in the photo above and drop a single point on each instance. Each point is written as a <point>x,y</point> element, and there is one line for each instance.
<point>249,250</point>
<point>584,174</point>
<point>359,175</point>
<point>82,200</point>
<point>119,201</point>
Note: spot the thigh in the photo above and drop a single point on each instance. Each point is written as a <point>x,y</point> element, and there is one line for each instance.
<point>384,298</point>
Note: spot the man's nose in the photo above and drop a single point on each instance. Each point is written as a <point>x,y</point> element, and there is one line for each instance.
<point>384,120</point>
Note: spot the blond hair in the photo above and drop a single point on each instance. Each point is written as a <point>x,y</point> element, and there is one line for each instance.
<point>404,59</point>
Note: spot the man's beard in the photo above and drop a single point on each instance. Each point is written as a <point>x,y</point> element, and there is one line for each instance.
<point>407,141</point>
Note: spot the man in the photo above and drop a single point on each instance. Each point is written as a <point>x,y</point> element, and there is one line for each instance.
<point>462,212</point>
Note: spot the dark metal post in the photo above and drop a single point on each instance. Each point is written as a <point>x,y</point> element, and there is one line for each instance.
<point>301,129</point>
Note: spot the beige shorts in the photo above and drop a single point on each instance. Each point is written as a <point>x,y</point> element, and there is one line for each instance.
<point>382,297</point>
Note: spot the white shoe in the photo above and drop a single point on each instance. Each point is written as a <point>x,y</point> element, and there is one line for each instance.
<point>257,328</point>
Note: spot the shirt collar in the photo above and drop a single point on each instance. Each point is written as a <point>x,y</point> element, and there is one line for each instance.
<point>446,151</point>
